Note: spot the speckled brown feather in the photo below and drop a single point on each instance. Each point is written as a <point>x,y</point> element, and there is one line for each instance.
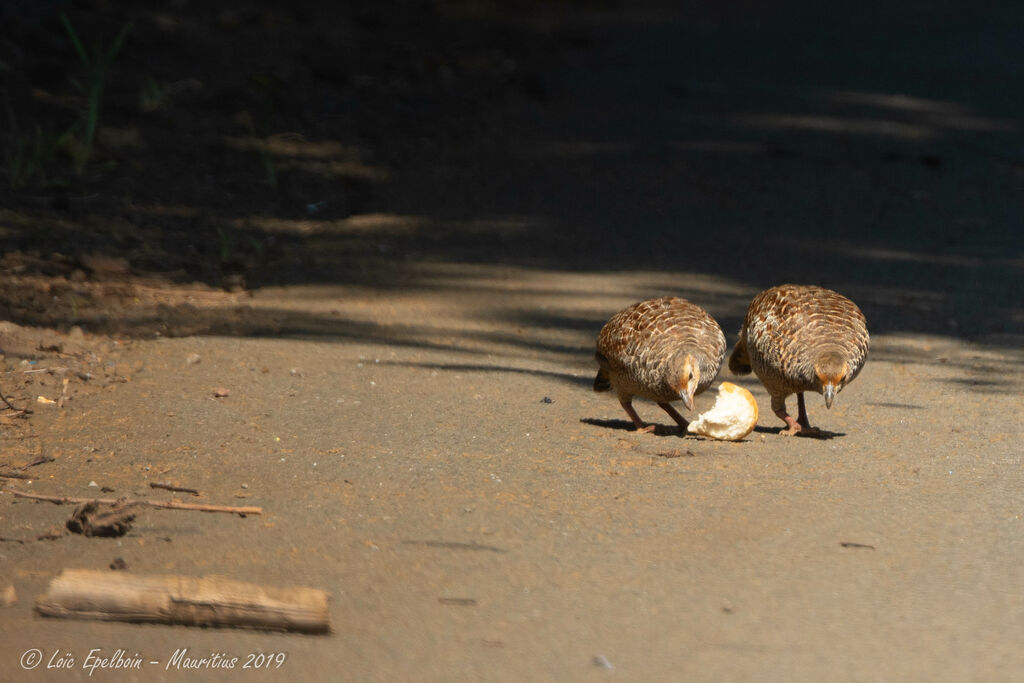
<point>640,347</point>
<point>789,328</point>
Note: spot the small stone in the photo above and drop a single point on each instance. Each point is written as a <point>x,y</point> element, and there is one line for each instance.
<point>93,484</point>
<point>192,359</point>
<point>221,392</point>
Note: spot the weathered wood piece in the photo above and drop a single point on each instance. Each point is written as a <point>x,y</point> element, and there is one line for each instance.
<point>168,504</point>
<point>186,600</point>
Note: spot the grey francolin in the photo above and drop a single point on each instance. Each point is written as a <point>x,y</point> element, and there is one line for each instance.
<point>799,338</point>
<point>664,350</point>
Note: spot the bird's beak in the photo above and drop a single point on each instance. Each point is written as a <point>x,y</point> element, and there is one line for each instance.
<point>687,395</point>
<point>830,394</point>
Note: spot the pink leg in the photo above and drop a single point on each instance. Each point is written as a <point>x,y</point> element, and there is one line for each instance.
<point>779,406</point>
<point>680,420</point>
<point>641,426</point>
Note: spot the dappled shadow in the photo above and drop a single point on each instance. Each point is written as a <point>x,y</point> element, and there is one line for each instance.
<point>469,367</point>
<point>460,157</point>
<point>985,386</point>
<point>903,406</point>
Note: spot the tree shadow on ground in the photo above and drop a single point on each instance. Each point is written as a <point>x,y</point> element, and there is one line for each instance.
<point>565,377</point>
<point>474,162</point>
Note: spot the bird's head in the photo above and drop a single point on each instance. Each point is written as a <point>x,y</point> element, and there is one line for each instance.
<point>689,378</point>
<point>832,371</point>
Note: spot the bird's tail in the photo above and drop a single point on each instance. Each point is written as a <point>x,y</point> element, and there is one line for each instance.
<point>602,382</point>
<point>739,359</point>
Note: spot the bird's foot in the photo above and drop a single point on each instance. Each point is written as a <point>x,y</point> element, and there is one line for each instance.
<point>794,427</point>
<point>674,414</point>
<point>646,429</point>
<point>797,429</point>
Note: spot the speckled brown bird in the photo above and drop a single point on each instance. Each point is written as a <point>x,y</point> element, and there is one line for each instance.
<point>799,338</point>
<point>664,350</point>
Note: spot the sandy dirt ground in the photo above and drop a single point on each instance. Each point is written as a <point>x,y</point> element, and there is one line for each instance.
<point>401,379</point>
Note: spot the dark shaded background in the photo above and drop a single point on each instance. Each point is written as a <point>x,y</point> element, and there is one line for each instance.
<point>876,150</point>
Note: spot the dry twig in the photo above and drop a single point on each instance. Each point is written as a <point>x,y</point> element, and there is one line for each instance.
<point>17,411</point>
<point>171,487</point>
<point>17,473</point>
<point>63,393</point>
<point>170,504</point>
<point>41,460</point>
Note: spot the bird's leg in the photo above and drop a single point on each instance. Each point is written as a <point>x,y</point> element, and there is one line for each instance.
<point>779,406</point>
<point>680,420</point>
<point>805,426</point>
<point>627,405</point>
<point>802,411</point>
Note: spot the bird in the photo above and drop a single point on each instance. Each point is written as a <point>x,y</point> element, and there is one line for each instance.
<point>799,338</point>
<point>664,350</point>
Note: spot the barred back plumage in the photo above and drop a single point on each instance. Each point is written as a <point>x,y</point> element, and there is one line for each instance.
<point>665,350</point>
<point>799,338</point>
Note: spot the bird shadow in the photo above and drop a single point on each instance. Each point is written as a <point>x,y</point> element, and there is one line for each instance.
<point>814,433</point>
<point>627,426</point>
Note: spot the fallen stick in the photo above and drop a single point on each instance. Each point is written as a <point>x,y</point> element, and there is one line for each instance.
<point>63,393</point>
<point>169,504</point>
<point>17,475</point>
<point>51,535</point>
<point>172,487</point>
<point>17,411</point>
<point>187,600</point>
<point>41,460</point>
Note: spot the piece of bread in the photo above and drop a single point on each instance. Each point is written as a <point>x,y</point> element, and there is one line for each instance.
<point>733,416</point>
